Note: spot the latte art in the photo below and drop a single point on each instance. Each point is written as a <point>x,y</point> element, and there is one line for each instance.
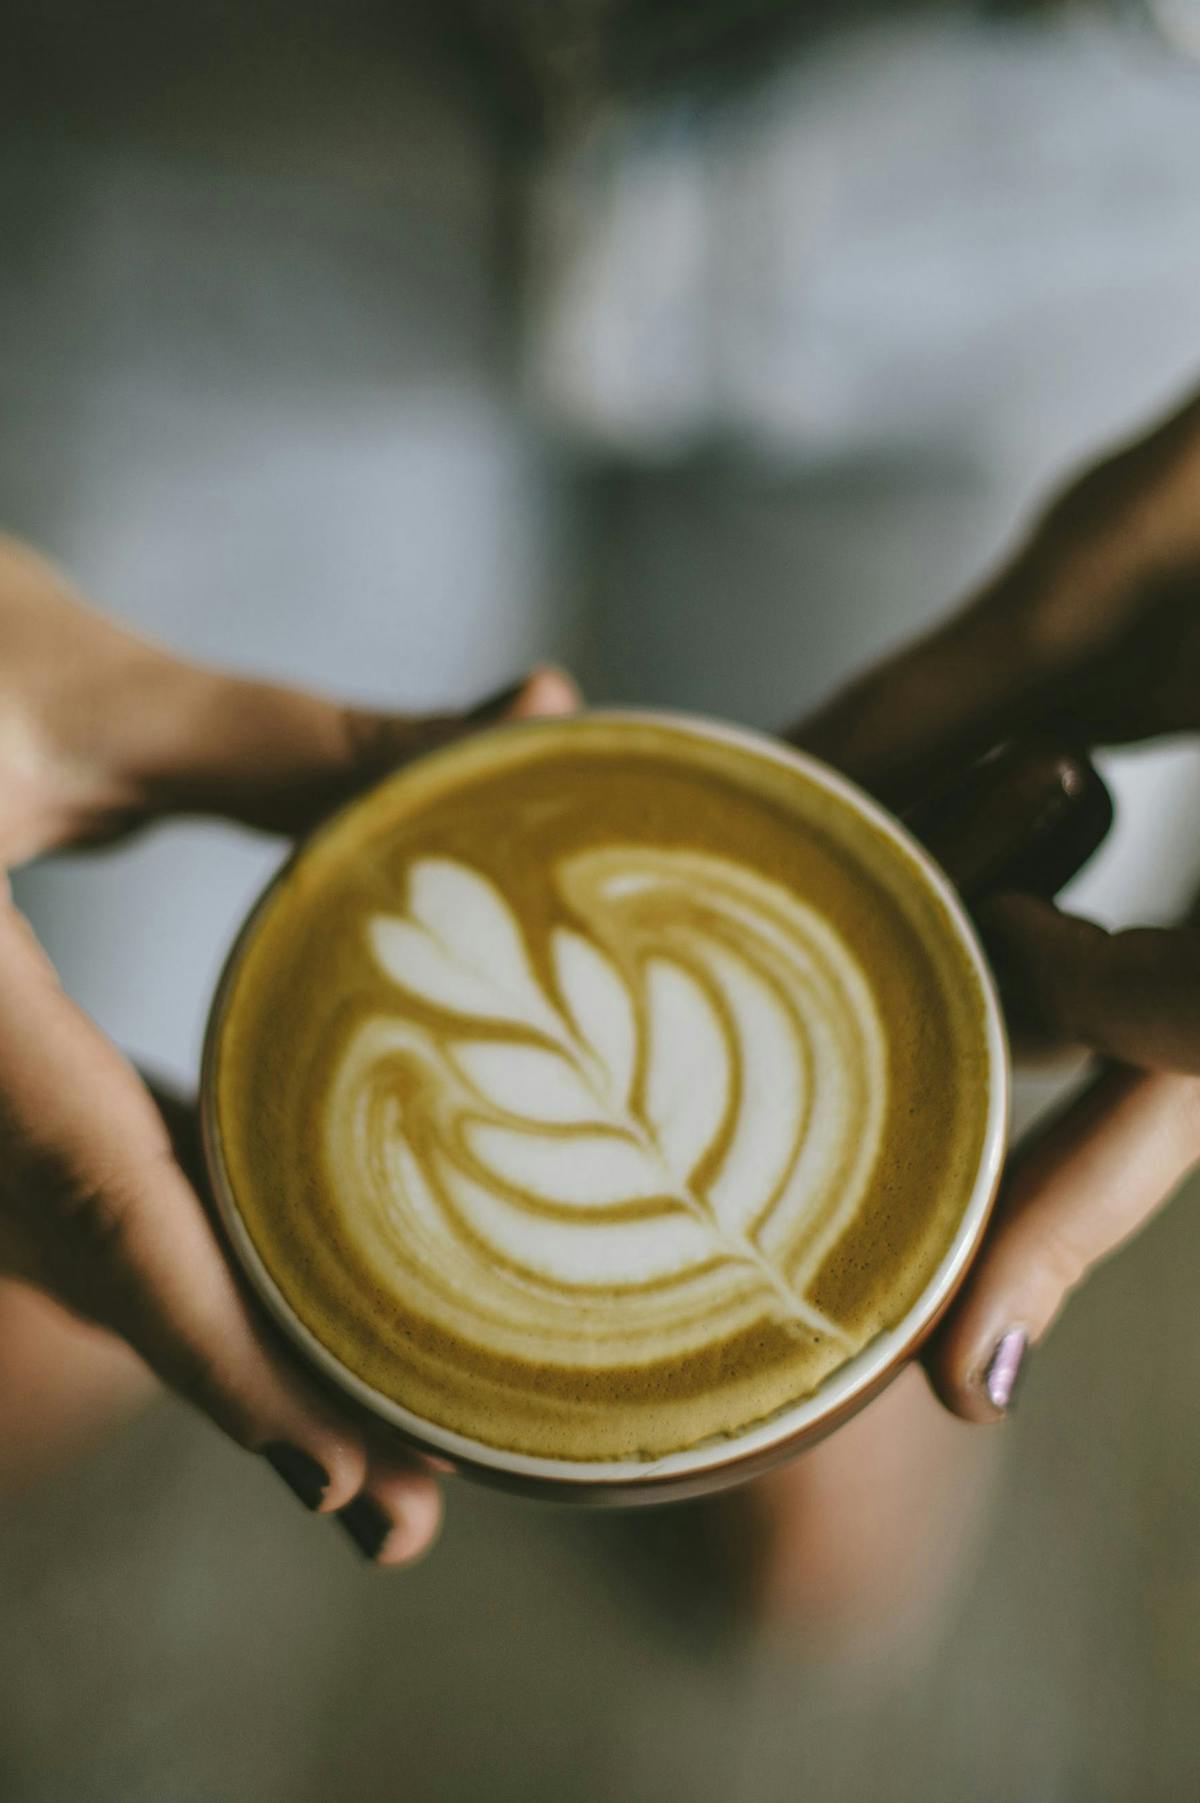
<point>681,1129</point>
<point>593,1094</point>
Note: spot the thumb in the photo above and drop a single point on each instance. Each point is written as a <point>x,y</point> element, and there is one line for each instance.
<point>200,741</point>
<point>1073,1194</point>
<point>1133,996</point>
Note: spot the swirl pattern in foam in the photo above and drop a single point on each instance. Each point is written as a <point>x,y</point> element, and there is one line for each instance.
<point>687,1123</point>
<point>605,1144</point>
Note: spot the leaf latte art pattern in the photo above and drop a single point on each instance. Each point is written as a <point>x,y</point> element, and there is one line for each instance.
<point>627,1144</point>
<point>596,1090</point>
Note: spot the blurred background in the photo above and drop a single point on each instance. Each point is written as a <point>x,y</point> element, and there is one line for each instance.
<point>708,348</point>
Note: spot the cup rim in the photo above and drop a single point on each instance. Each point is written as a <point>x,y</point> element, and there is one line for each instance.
<point>721,1458</point>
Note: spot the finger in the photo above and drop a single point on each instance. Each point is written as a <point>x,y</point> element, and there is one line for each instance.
<point>280,758</point>
<point>1016,658</point>
<point>396,1518</point>
<point>181,1118</point>
<point>1083,1188</point>
<point>907,726</point>
<point>95,1210</point>
<point>1027,816</point>
<point>1138,502</point>
<point>1133,996</point>
<point>63,1386</point>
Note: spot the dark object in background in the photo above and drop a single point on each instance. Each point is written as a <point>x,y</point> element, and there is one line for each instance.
<point>550,56</point>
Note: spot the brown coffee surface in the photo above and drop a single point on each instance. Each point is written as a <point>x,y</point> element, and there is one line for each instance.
<point>598,1087</point>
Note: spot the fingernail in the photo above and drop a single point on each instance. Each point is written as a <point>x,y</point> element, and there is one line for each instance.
<point>300,1472</point>
<point>367,1525</point>
<point>493,707</point>
<point>1005,1368</point>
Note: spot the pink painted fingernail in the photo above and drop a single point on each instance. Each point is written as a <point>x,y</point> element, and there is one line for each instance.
<point>1004,1369</point>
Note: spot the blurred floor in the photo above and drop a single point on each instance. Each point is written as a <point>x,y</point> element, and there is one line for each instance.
<point>177,1633</point>
<point>249,390</point>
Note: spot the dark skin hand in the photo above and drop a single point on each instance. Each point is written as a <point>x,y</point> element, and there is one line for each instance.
<point>1089,636</point>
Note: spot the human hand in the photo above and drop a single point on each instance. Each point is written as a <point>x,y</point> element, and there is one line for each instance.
<point>1089,636</point>
<point>101,733</point>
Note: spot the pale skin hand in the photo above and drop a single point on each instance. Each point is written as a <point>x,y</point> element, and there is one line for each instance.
<point>1091,635</point>
<point>100,733</point>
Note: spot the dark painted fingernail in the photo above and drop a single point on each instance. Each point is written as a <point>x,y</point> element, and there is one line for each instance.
<point>1005,1369</point>
<point>367,1525</point>
<point>494,707</point>
<point>300,1472</point>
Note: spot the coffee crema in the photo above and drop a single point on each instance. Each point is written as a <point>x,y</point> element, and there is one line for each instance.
<point>597,1087</point>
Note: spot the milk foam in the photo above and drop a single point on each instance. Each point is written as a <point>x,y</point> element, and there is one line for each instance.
<point>682,1116</point>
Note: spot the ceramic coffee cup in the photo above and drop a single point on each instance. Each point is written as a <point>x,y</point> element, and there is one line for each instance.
<point>719,1459</point>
